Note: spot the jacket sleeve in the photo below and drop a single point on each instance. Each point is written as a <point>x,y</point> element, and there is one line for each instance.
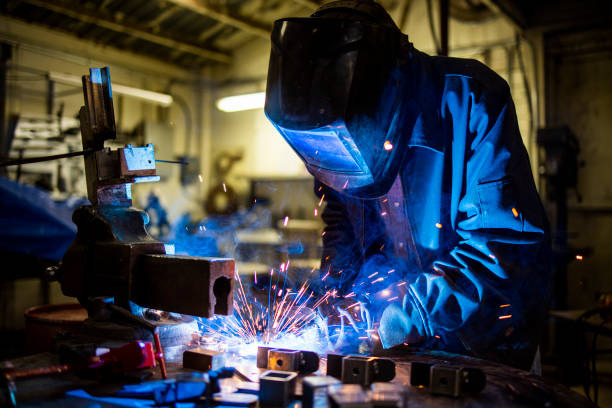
<point>490,287</point>
<point>345,247</point>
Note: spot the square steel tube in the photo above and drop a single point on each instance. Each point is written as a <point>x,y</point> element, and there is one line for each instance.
<point>194,286</point>
<point>276,388</point>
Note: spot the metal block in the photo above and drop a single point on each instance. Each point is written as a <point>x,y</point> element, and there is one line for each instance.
<point>387,387</point>
<point>357,370</point>
<point>314,390</point>
<point>348,396</point>
<point>235,399</point>
<point>365,370</point>
<point>189,285</point>
<point>445,381</point>
<point>262,356</point>
<point>419,374</point>
<point>287,360</point>
<point>474,380</point>
<point>248,388</point>
<point>388,395</point>
<point>334,365</point>
<point>203,360</point>
<point>284,360</point>
<point>136,161</point>
<point>277,388</point>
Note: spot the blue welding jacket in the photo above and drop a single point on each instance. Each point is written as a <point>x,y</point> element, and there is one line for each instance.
<point>462,226</point>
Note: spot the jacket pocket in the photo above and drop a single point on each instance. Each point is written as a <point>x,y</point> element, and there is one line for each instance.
<point>499,204</point>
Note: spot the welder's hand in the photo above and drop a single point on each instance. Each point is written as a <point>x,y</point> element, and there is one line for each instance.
<point>330,309</point>
<point>400,325</point>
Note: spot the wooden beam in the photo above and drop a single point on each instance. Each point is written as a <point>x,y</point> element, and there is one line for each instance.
<point>209,32</point>
<point>207,11</point>
<point>169,11</point>
<point>134,32</point>
<point>308,4</point>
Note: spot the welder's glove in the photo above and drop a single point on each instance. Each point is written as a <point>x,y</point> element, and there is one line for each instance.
<point>401,325</point>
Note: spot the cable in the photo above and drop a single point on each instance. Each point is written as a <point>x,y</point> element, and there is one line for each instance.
<point>594,363</point>
<point>29,160</point>
<point>526,85</point>
<point>432,27</point>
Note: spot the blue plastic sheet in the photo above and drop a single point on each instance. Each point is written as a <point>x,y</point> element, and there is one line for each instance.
<point>32,223</point>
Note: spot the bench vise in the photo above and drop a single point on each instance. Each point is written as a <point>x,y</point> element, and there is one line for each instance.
<point>113,255</point>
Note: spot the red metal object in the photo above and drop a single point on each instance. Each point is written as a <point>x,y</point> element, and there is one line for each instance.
<point>159,356</point>
<point>133,356</point>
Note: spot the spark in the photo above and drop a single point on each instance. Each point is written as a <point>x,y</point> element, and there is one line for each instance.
<point>288,312</point>
<point>579,257</point>
<point>315,212</point>
<point>372,275</point>
<point>385,292</point>
<point>200,177</point>
<point>388,145</point>
<point>345,184</point>
<point>393,298</point>
<point>321,200</point>
<point>383,213</point>
<point>507,305</point>
<point>491,256</point>
<point>286,221</point>
<point>378,280</point>
<point>438,225</point>
<point>504,317</point>
<point>391,271</point>
<point>515,212</point>
<point>224,188</point>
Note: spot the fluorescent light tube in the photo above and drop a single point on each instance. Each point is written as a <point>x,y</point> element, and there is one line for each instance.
<point>242,102</point>
<point>155,97</point>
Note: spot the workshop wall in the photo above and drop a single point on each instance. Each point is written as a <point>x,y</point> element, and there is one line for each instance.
<point>39,50</point>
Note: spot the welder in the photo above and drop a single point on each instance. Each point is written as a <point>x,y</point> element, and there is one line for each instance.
<point>432,215</point>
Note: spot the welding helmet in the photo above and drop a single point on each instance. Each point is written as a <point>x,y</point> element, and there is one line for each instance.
<point>336,91</point>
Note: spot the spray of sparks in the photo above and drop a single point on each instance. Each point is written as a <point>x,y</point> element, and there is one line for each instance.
<point>289,318</point>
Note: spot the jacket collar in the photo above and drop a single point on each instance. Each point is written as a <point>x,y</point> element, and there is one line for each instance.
<point>427,130</point>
